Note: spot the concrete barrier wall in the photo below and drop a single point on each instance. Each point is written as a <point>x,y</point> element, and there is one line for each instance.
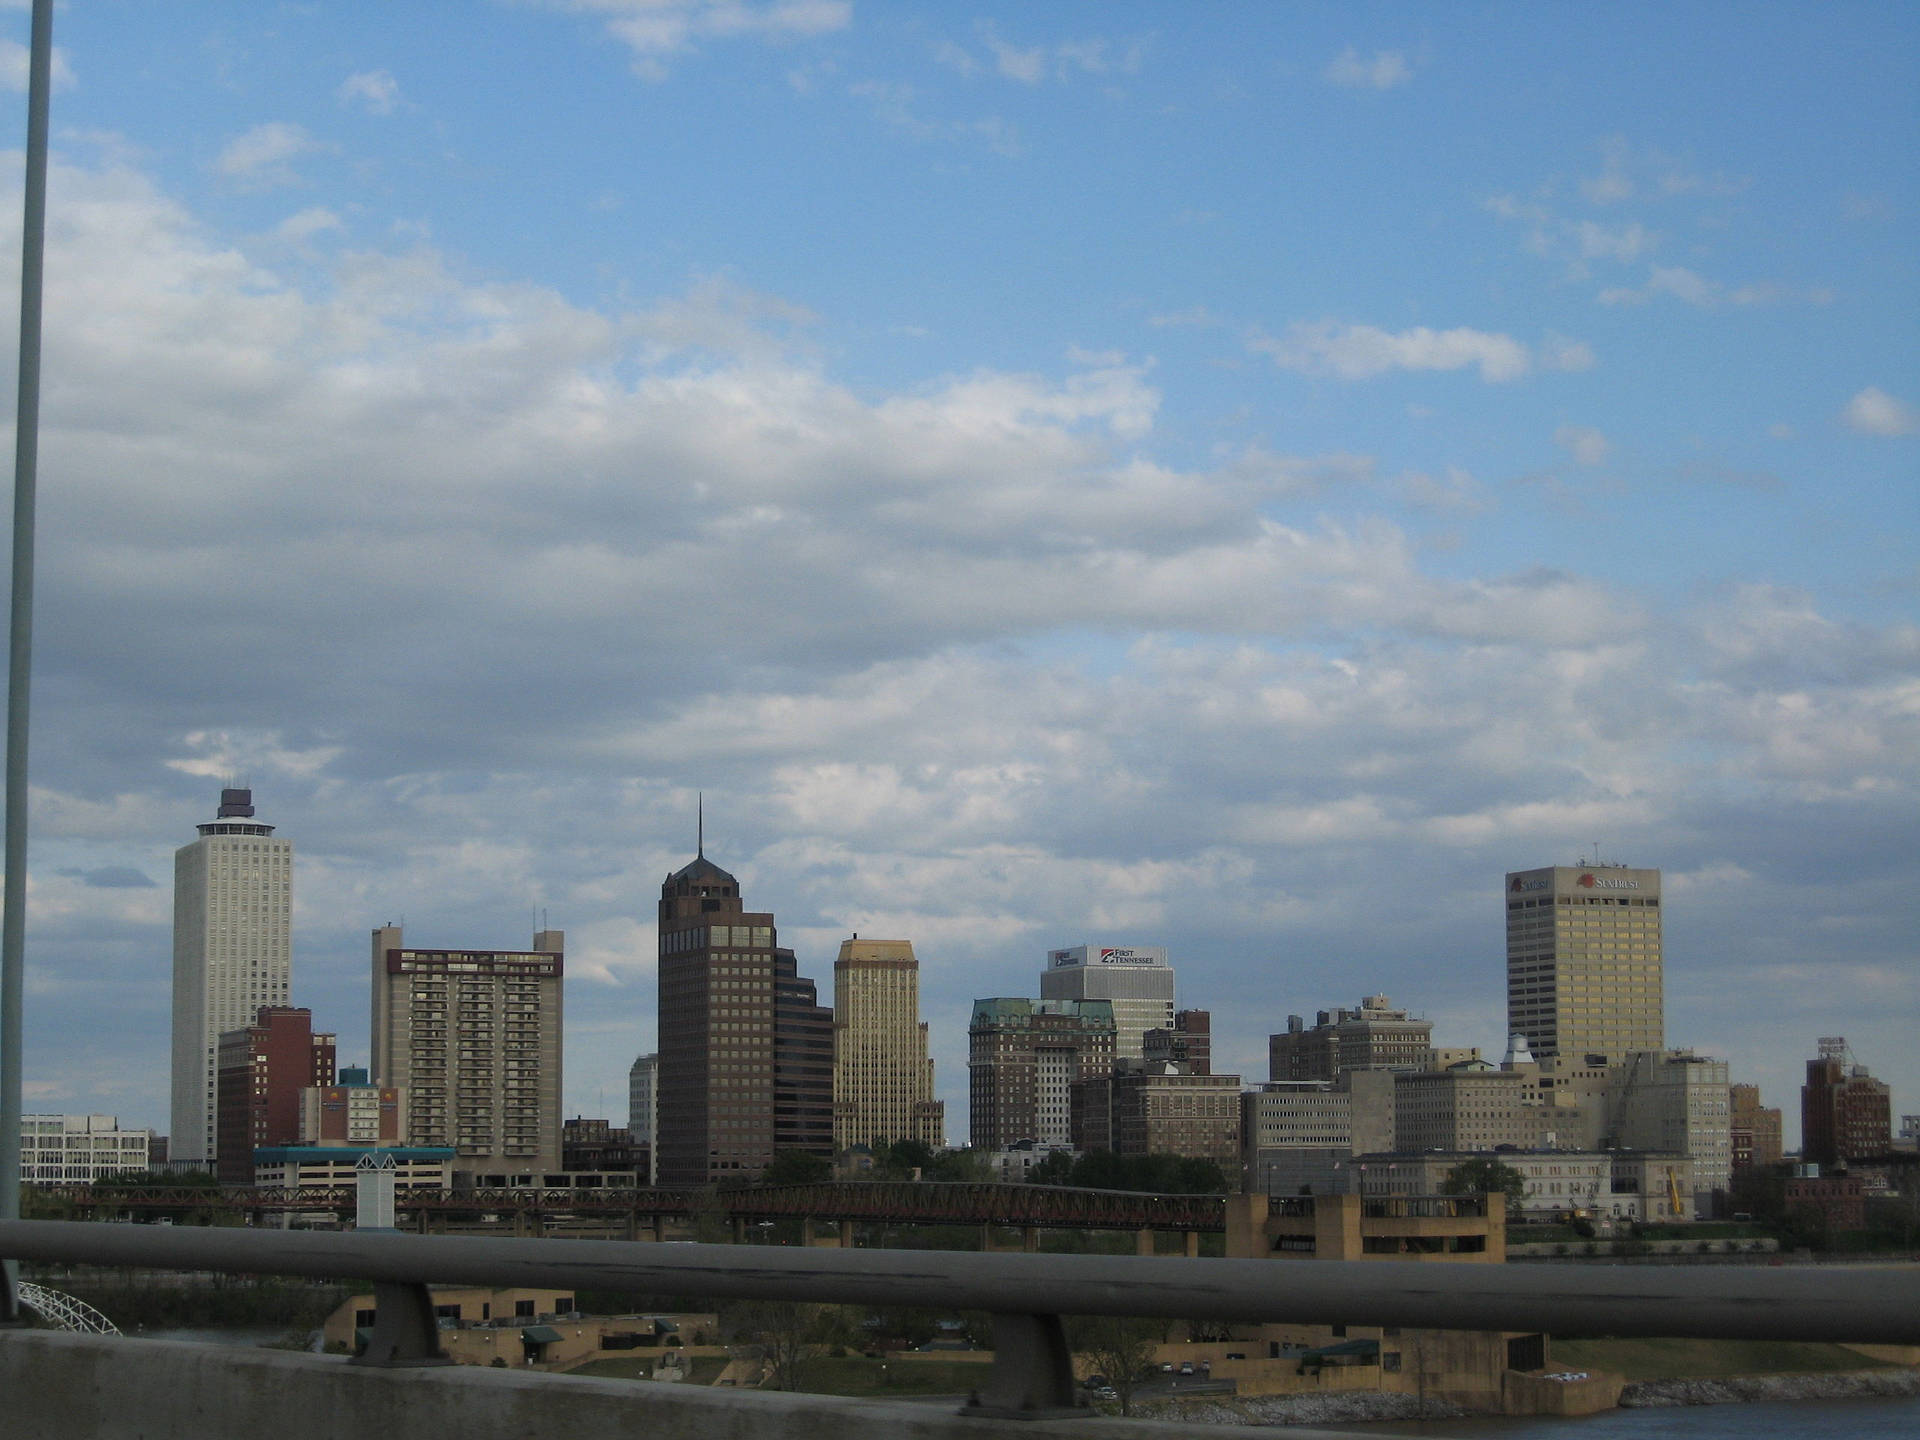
<point>57,1386</point>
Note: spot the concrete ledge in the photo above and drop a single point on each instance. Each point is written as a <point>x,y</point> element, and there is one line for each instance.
<point>58,1386</point>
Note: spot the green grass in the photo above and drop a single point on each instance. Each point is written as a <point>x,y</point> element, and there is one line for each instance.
<point>1705,1359</point>
<point>704,1370</point>
<point>857,1375</point>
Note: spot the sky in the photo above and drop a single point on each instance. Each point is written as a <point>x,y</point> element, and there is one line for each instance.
<point>1232,477</point>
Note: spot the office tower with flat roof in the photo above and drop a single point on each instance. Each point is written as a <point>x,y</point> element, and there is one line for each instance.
<point>1023,1059</point>
<point>1135,980</point>
<point>232,954</point>
<point>263,1069</point>
<point>643,1082</point>
<point>1584,962</point>
<point>802,1062</point>
<point>882,1076</point>
<point>1753,1129</point>
<point>353,1111</point>
<point>473,1037</point>
<point>716,988</point>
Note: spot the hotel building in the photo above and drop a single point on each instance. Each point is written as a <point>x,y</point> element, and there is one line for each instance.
<point>232,954</point>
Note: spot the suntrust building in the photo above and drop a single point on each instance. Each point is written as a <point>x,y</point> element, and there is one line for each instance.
<point>1584,961</point>
<point>1135,979</point>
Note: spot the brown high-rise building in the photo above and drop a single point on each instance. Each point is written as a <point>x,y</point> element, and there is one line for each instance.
<point>1844,1112</point>
<point>715,1117</point>
<point>802,1062</point>
<point>1024,1058</point>
<point>1753,1130</point>
<point>473,1038</point>
<point>1188,1044</point>
<point>262,1071</point>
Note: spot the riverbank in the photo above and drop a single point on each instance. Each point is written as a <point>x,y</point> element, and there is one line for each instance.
<point>1889,1383</point>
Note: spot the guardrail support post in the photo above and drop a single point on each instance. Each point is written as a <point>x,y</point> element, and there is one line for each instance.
<point>1032,1376</point>
<point>405,1330</point>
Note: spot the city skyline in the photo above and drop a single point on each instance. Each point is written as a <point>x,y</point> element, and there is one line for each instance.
<point>1240,487</point>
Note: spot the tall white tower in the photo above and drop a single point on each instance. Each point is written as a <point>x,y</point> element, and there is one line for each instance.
<point>1136,978</point>
<point>232,953</point>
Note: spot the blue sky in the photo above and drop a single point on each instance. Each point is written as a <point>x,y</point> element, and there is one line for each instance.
<point>1236,477</point>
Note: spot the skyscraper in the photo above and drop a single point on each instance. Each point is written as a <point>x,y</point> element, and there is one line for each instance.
<point>1135,980</point>
<point>715,1117</point>
<point>802,1062</point>
<point>1845,1113</point>
<point>1584,962</point>
<point>882,1076</point>
<point>643,1081</point>
<point>1023,1059</point>
<point>473,1038</point>
<point>232,955</point>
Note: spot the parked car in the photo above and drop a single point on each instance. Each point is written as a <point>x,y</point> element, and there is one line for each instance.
<point>1186,1367</point>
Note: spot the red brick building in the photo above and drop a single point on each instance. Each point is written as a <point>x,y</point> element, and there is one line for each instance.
<point>261,1072</point>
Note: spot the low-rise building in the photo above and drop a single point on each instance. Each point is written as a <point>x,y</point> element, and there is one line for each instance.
<point>79,1149</point>
<point>1623,1185</point>
<point>1367,1227</point>
<point>323,1167</point>
<point>524,1327</point>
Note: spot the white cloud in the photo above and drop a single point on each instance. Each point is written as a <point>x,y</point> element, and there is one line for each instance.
<point>656,29</point>
<point>1025,64</point>
<point>1613,184</point>
<point>374,90</point>
<point>15,60</point>
<point>260,157</point>
<point>1586,444</point>
<point>1679,283</point>
<point>307,223</point>
<point>1387,69</point>
<point>1557,352</point>
<point>1874,412</point>
<point>1359,352</point>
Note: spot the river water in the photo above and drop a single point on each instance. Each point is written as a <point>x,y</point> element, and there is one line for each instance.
<point>1756,1420</point>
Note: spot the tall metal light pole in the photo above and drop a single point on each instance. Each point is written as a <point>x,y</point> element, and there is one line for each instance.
<point>26,454</point>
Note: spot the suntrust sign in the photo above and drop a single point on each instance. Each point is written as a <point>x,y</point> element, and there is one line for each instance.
<point>1589,881</point>
<point>1107,955</point>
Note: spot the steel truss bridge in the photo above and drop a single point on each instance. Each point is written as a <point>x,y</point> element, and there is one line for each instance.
<point>530,1208</point>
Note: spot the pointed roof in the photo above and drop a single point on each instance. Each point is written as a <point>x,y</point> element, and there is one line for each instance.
<point>702,869</point>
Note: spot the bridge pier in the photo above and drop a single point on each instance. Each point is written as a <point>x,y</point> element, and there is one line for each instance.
<point>1030,1239</point>
<point>1193,1244</point>
<point>1143,1241</point>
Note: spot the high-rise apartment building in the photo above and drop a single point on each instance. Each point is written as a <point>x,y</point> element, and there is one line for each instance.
<point>1024,1058</point>
<point>1584,962</point>
<point>263,1069</point>
<point>882,1076</point>
<point>232,954</point>
<point>1845,1113</point>
<point>716,1092</point>
<point>1135,980</point>
<point>473,1036</point>
<point>1374,1037</point>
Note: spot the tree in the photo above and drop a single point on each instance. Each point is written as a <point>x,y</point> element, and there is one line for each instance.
<point>1055,1169</point>
<point>790,1334</point>
<point>1119,1347</point>
<point>1481,1176</point>
<point>796,1167</point>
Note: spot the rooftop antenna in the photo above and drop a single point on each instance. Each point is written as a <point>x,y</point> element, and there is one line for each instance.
<point>699,825</point>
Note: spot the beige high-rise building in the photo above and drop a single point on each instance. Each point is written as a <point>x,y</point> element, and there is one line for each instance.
<point>1584,962</point>
<point>882,1075</point>
<point>232,954</point>
<point>1135,980</point>
<point>473,1037</point>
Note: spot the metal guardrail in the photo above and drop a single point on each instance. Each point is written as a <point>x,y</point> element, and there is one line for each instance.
<point>1028,1294</point>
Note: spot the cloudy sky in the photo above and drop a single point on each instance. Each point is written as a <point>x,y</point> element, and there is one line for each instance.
<point>1235,477</point>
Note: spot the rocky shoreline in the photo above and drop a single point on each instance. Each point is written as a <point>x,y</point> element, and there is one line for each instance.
<point>1737,1389</point>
